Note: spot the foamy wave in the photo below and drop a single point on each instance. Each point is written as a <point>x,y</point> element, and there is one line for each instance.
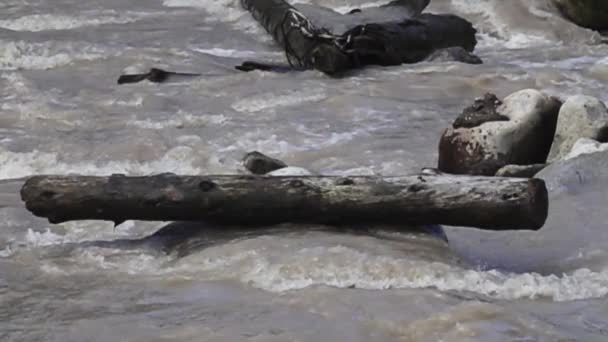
<point>73,232</point>
<point>344,267</point>
<point>180,119</point>
<point>17,165</point>
<point>226,11</point>
<point>43,22</point>
<point>40,56</point>
<point>260,102</point>
<point>520,24</point>
<point>228,52</point>
<point>94,259</point>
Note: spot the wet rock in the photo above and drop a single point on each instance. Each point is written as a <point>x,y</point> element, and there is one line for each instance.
<point>482,110</point>
<point>259,164</point>
<point>580,117</point>
<point>454,54</point>
<point>586,146</point>
<point>482,141</point>
<point>592,14</point>
<point>520,171</point>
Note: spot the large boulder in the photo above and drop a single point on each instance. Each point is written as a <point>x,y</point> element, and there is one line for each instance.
<point>592,14</point>
<point>580,117</point>
<point>492,133</point>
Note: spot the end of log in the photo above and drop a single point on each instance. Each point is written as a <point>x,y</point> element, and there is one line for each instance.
<point>538,202</point>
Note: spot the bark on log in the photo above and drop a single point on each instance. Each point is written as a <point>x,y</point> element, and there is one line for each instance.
<point>483,202</point>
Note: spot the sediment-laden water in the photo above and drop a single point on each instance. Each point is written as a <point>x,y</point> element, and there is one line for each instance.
<point>62,112</point>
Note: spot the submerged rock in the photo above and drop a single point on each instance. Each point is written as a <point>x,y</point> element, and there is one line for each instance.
<point>592,14</point>
<point>454,54</point>
<point>482,141</point>
<point>580,117</point>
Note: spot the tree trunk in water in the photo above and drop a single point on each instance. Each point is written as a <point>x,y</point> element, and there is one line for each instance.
<point>484,202</point>
<point>386,42</point>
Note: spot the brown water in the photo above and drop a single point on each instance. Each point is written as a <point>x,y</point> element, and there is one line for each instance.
<point>61,112</point>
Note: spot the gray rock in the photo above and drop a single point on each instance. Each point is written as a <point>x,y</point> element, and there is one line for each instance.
<point>575,174</point>
<point>592,14</point>
<point>520,171</point>
<point>580,117</point>
<point>525,138</point>
<point>586,146</point>
<point>259,164</point>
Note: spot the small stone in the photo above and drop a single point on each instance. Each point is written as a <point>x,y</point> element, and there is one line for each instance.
<point>483,110</point>
<point>260,164</point>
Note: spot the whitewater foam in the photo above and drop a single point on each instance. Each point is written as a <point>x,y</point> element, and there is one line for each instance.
<point>226,11</point>
<point>44,22</point>
<point>219,52</point>
<point>18,165</point>
<point>181,119</point>
<point>40,56</point>
<point>265,101</point>
<point>343,267</point>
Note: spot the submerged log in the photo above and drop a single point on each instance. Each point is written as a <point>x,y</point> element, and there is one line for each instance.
<point>483,202</point>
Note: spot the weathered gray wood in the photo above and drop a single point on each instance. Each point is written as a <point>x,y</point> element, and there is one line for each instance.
<point>484,202</point>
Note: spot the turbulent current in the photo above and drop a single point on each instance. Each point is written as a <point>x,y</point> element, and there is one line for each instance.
<point>61,111</point>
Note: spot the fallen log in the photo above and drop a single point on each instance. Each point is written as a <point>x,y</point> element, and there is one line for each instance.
<point>484,202</point>
<point>314,43</point>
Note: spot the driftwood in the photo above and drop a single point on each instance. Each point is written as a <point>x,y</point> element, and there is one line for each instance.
<point>392,42</point>
<point>483,202</point>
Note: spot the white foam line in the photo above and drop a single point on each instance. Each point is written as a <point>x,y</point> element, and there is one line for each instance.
<point>44,22</point>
